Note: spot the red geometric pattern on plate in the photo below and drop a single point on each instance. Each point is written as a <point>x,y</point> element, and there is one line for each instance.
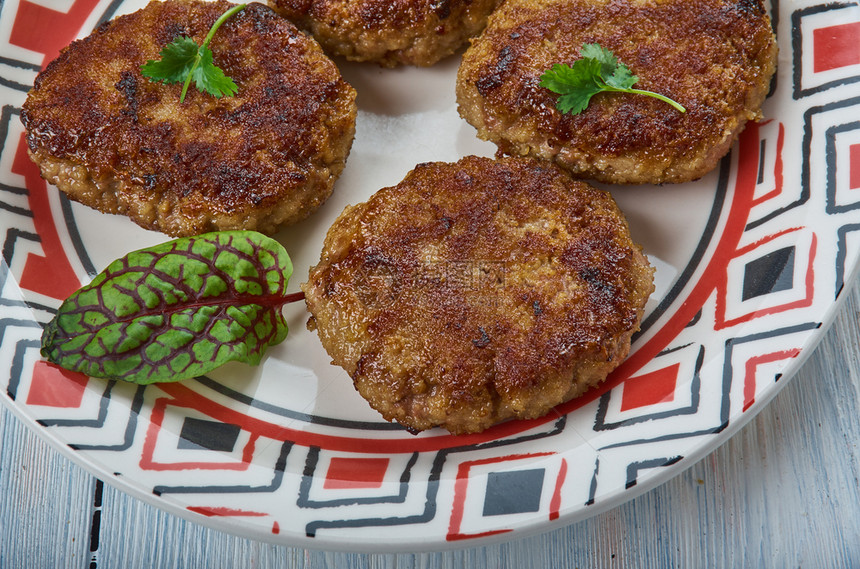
<point>148,462</point>
<point>751,366</point>
<point>64,27</point>
<point>345,472</point>
<point>53,386</point>
<point>804,302</point>
<point>51,274</point>
<point>650,388</point>
<point>225,512</point>
<point>836,46</point>
<point>461,485</point>
<point>186,397</point>
<point>754,131</point>
<point>555,501</point>
<point>854,167</point>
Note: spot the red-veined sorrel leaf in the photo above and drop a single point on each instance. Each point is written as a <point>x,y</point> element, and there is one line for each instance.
<point>175,310</point>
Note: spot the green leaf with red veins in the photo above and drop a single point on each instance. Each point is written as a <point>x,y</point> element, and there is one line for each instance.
<point>175,310</point>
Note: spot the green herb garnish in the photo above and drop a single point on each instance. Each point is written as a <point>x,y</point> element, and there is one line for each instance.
<point>183,60</point>
<point>176,310</point>
<point>598,70</point>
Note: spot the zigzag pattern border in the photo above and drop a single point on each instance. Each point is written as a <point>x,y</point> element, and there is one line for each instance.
<point>605,431</point>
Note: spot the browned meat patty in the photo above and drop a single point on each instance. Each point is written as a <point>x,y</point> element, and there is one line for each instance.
<point>120,143</point>
<point>389,32</point>
<point>715,57</point>
<point>478,291</point>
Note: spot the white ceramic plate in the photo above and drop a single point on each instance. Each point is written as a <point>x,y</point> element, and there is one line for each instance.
<point>751,263</point>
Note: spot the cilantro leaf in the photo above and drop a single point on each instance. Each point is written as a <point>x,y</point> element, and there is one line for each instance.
<point>176,61</point>
<point>607,59</point>
<point>622,78</point>
<point>575,84</point>
<point>597,71</point>
<point>183,60</point>
<point>210,78</point>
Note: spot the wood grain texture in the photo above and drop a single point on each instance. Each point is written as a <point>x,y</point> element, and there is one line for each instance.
<point>783,492</point>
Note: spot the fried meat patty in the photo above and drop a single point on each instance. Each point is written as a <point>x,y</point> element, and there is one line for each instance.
<point>121,143</point>
<point>478,291</point>
<point>389,32</point>
<point>715,57</point>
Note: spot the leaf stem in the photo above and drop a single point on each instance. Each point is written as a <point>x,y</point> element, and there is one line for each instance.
<point>294,297</point>
<point>188,79</point>
<point>678,106</point>
<point>220,21</point>
<point>199,57</point>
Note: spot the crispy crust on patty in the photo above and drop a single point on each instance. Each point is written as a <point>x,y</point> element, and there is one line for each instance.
<point>715,57</point>
<point>477,291</point>
<point>121,143</point>
<point>389,32</point>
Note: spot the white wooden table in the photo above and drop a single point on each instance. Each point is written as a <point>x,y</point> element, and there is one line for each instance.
<point>783,492</point>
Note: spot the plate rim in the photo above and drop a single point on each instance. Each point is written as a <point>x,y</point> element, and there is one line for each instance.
<point>607,502</point>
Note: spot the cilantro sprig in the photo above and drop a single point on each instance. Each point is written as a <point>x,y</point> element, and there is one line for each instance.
<point>597,71</point>
<point>183,60</point>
